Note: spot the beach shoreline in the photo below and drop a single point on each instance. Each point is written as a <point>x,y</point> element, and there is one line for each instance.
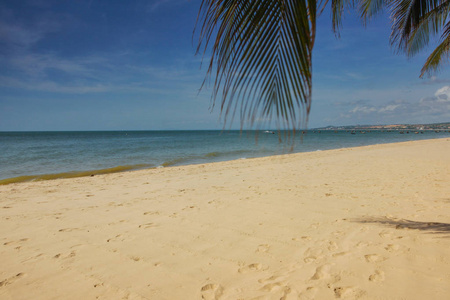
<point>367,222</point>
<point>111,169</point>
<point>33,156</point>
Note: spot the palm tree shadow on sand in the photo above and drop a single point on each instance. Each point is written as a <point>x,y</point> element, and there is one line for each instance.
<point>429,227</point>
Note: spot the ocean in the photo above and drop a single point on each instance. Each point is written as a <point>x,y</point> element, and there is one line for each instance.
<point>26,156</point>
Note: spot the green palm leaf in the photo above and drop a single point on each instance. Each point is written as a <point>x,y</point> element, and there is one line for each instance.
<point>430,24</point>
<point>409,15</point>
<point>414,22</point>
<point>435,60</point>
<point>370,8</point>
<point>261,58</point>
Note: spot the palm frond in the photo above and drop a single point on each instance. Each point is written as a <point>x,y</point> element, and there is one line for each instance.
<point>442,51</point>
<point>406,17</point>
<point>430,24</point>
<point>337,9</point>
<point>370,8</point>
<point>367,9</point>
<point>261,55</point>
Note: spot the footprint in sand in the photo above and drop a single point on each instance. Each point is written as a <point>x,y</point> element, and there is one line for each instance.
<point>277,287</point>
<point>344,292</point>
<point>211,291</point>
<point>69,255</point>
<point>309,259</point>
<point>263,248</point>
<point>189,207</point>
<point>15,242</point>
<point>116,238</point>
<point>135,258</point>
<point>271,278</point>
<point>118,222</point>
<point>98,284</point>
<point>392,247</point>
<point>68,229</point>
<point>151,213</point>
<point>270,287</point>
<point>374,258</point>
<point>10,280</point>
<point>377,277</point>
<point>148,225</point>
<point>340,254</point>
<point>332,246</point>
<point>312,254</point>
<point>250,268</point>
<point>362,245</point>
<point>34,258</point>
<point>322,272</point>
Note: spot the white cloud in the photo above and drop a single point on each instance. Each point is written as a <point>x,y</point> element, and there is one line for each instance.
<point>443,94</point>
<point>440,101</point>
<point>389,108</point>
<point>363,109</point>
<point>435,108</point>
<point>368,109</point>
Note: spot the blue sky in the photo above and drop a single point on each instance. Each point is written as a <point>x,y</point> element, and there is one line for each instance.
<point>122,65</point>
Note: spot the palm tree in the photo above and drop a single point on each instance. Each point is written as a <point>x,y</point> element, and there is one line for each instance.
<point>261,51</point>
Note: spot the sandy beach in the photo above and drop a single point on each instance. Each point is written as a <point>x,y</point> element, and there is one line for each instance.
<point>358,223</point>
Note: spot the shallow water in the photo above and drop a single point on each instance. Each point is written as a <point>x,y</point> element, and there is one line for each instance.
<point>46,155</point>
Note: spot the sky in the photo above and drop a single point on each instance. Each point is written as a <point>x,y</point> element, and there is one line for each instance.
<point>131,65</point>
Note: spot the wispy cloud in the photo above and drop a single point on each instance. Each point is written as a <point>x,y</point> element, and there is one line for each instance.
<point>50,86</point>
<point>389,108</point>
<point>24,67</point>
<point>356,76</point>
<point>435,80</point>
<point>95,74</point>
<point>436,107</point>
<point>18,35</point>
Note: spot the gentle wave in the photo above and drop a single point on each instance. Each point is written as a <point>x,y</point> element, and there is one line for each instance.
<point>173,162</point>
<point>74,174</point>
<point>212,154</point>
<point>208,157</point>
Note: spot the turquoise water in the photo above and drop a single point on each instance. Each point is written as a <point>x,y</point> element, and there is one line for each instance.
<point>29,155</point>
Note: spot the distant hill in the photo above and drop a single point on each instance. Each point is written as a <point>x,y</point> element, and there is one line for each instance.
<point>434,126</point>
